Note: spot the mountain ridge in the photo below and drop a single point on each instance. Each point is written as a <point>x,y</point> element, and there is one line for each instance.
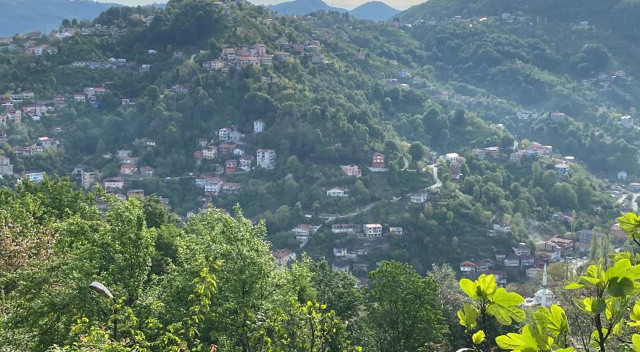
<point>375,11</point>
<point>372,10</point>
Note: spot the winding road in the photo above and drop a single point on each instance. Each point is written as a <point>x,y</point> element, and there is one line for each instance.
<point>437,184</point>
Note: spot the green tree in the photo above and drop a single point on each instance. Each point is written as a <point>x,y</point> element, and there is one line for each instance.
<point>403,310</point>
<point>417,151</point>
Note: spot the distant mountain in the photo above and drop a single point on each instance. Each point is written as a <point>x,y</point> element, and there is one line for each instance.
<point>302,7</point>
<point>19,16</point>
<point>374,10</point>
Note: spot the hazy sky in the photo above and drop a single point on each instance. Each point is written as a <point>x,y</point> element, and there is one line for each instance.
<point>348,4</point>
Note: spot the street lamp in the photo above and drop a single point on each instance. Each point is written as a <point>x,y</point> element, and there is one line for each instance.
<point>103,291</point>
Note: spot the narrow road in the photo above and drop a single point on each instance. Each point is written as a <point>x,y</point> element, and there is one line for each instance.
<point>406,164</point>
<point>329,218</point>
<point>622,199</point>
<point>438,183</point>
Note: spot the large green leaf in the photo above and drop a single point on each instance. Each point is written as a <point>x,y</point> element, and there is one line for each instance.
<point>629,223</point>
<point>468,287</point>
<point>635,340</point>
<point>478,337</point>
<point>504,307</point>
<point>524,342</point>
<point>468,316</point>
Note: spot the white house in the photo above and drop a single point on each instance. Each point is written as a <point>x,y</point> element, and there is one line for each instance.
<point>351,170</point>
<point>622,175</point>
<point>245,162</point>
<point>224,133</point>
<point>521,250</point>
<point>339,252</point>
<point>452,157</point>
<point>266,158</point>
<point>210,152</point>
<point>344,228</point>
<point>258,126</point>
<point>337,192</point>
<point>468,267</point>
<point>419,197</point>
<point>372,230</point>
<point>284,256</point>
<point>113,183</point>
<point>34,176</point>
<point>626,121</point>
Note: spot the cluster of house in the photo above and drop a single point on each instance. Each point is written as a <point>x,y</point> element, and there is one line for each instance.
<point>213,185</point>
<point>407,82</point>
<point>533,149</point>
<point>111,64</point>
<point>32,48</point>
<point>6,169</point>
<point>232,58</point>
<point>524,115</point>
<point>90,94</point>
<point>345,259</point>
<point>377,164</point>
<point>523,260</point>
<point>303,232</point>
<point>510,18</point>
<point>349,260</point>
<point>129,163</point>
<point>115,184</point>
<point>365,230</point>
<point>256,55</point>
<point>32,43</point>
<point>25,103</point>
<point>605,81</point>
<point>230,146</point>
<point>41,145</point>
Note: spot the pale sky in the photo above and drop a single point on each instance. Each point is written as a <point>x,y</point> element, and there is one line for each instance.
<point>347,4</point>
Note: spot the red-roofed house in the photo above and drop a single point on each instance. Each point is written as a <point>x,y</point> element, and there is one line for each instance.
<point>377,160</point>
<point>284,256</point>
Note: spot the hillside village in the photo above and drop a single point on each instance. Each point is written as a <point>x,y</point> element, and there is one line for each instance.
<point>232,158</point>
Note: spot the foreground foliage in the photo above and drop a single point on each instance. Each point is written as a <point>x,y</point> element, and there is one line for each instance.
<point>608,297</point>
<point>211,284</point>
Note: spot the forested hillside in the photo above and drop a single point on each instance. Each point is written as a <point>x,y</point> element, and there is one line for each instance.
<point>475,135</point>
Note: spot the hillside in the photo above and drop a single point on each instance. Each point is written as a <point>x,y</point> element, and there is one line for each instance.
<point>571,57</point>
<point>352,140</point>
<point>214,150</point>
<point>374,10</point>
<point>19,16</point>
